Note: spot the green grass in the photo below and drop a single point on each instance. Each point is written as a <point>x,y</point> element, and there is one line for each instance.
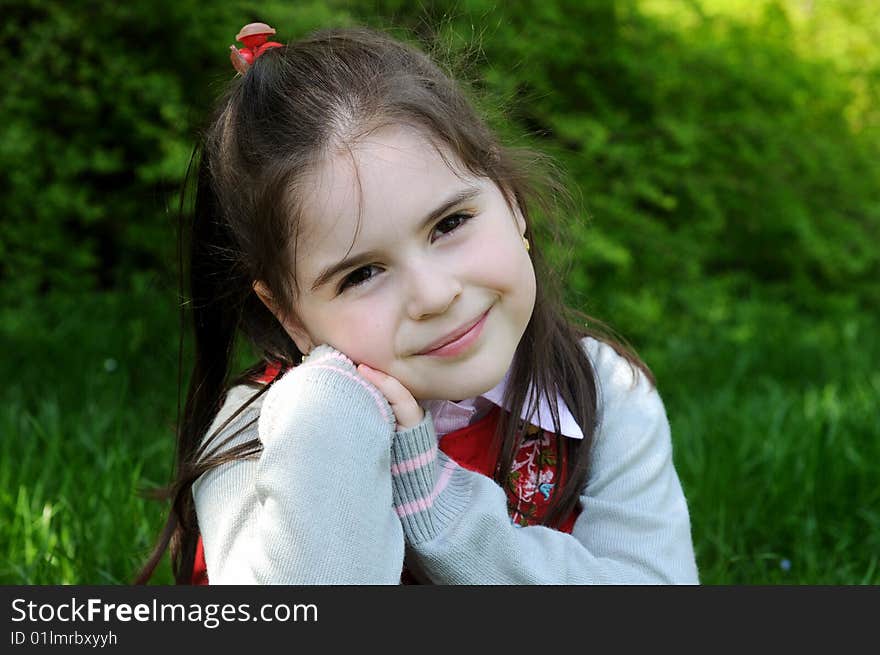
<point>776,444</point>
<point>86,421</point>
<point>774,419</point>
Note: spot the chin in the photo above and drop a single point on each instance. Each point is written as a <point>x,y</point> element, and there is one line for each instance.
<point>457,391</point>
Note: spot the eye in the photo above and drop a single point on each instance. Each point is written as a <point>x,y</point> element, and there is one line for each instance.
<point>453,222</point>
<point>356,278</point>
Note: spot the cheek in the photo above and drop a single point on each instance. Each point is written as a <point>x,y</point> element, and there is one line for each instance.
<point>505,266</point>
<point>363,332</point>
<point>521,296</point>
<point>507,269</point>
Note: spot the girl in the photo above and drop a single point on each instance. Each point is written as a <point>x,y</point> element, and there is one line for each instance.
<point>424,410</point>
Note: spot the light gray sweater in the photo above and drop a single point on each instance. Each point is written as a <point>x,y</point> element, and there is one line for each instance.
<point>337,496</point>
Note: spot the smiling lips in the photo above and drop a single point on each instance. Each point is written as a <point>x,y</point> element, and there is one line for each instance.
<point>470,331</point>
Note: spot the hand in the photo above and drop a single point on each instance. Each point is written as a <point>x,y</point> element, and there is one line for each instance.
<point>406,410</point>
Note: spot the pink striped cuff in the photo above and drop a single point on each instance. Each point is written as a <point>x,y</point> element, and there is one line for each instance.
<point>424,504</point>
<point>416,462</point>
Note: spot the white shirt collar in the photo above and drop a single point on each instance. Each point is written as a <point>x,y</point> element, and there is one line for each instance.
<point>449,415</point>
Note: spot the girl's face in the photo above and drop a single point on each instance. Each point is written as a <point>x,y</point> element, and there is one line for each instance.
<point>430,268</point>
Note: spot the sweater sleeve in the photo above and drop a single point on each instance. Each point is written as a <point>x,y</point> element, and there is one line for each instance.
<point>634,526</point>
<point>315,507</point>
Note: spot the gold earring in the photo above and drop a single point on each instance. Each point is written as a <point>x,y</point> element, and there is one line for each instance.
<point>526,243</point>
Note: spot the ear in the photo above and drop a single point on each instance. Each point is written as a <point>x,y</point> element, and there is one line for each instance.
<point>295,331</point>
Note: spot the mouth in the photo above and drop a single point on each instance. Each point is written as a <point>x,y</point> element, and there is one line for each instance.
<point>459,340</point>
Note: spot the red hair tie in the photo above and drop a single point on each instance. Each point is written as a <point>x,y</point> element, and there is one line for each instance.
<point>254,36</point>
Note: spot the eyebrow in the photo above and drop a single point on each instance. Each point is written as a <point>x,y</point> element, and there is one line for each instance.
<point>463,195</point>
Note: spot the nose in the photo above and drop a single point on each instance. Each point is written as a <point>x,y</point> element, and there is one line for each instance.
<point>430,289</point>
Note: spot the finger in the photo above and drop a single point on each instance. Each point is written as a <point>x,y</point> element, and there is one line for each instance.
<point>385,382</point>
<point>394,392</point>
<point>406,410</point>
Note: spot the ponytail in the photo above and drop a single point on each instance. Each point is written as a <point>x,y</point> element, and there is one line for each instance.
<point>216,313</point>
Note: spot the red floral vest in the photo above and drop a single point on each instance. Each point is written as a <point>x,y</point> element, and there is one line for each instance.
<point>529,486</point>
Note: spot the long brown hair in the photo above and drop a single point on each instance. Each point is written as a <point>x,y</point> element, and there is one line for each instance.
<point>269,129</point>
